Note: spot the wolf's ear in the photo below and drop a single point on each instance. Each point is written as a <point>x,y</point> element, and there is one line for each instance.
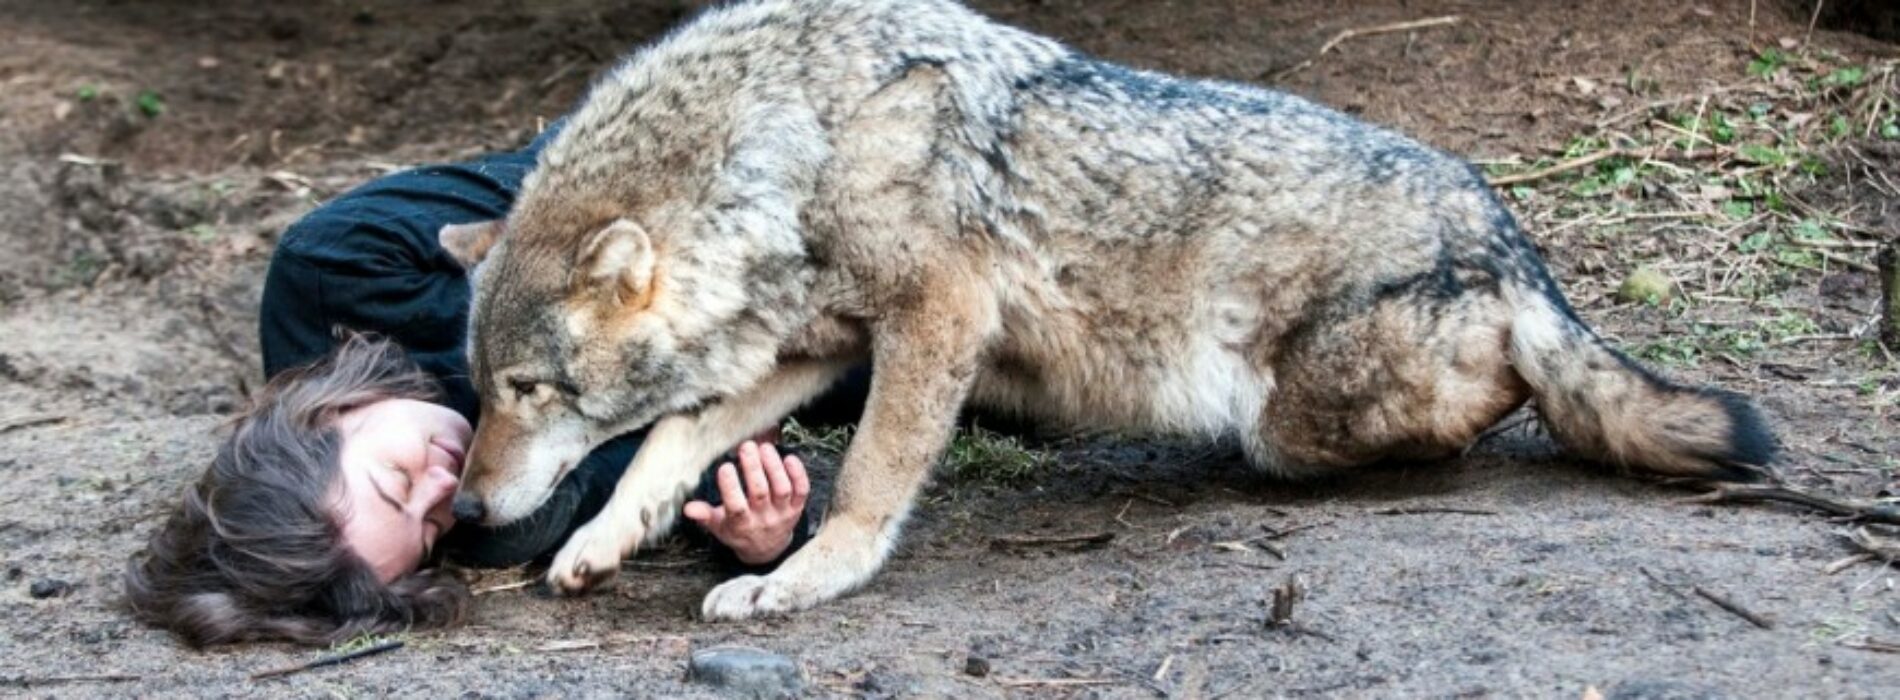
<point>619,257</point>
<point>469,243</point>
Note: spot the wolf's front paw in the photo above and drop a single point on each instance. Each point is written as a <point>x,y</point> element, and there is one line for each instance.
<point>751,596</point>
<point>590,558</point>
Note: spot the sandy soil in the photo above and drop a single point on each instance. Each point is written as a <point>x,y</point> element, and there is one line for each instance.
<point>132,246</point>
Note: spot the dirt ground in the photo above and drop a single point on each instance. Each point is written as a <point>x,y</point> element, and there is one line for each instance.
<point>150,153</point>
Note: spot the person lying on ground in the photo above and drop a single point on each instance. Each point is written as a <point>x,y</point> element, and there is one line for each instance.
<point>326,512</point>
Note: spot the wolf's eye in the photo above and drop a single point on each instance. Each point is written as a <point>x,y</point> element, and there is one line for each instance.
<point>524,387</point>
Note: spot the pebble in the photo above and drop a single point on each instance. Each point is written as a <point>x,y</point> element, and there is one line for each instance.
<point>49,588</point>
<point>746,672</point>
<point>976,666</point>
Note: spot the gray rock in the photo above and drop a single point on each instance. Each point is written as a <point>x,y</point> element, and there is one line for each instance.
<point>49,588</point>
<point>746,672</point>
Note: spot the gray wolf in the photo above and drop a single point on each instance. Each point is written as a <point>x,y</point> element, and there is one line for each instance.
<point>780,189</point>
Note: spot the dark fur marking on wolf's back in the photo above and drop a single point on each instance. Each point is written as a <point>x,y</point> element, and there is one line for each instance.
<point>996,219</point>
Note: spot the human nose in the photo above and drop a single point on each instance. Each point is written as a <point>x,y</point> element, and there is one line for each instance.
<point>437,486</point>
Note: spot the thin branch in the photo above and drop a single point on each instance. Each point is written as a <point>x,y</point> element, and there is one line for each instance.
<point>1557,169</point>
<point>11,424</point>
<point>1362,31</point>
<point>1875,512</point>
<point>1424,510</point>
<point>1734,607</point>
<point>1085,541</point>
<point>1387,29</point>
<point>331,660</point>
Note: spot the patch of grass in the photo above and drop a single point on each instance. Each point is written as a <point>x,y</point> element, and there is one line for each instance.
<point>81,269</point>
<point>362,641</point>
<point>1767,63</point>
<point>1845,76</point>
<point>87,93</point>
<point>983,456</point>
<point>1670,352</point>
<point>975,455</point>
<point>830,441</point>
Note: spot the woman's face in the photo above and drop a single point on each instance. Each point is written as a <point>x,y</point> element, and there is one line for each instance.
<point>400,464</point>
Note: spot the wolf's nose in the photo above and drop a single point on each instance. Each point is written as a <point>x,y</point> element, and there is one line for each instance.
<point>468,509</point>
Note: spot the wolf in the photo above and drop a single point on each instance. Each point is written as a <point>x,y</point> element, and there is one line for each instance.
<point>783,189</point>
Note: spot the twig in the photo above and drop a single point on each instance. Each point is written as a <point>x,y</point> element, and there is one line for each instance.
<point>518,585</point>
<point>11,424</point>
<point>30,681</point>
<point>1387,29</point>
<point>1087,541</point>
<point>1875,512</point>
<point>1813,338</point>
<point>1874,545</point>
<point>1666,102</point>
<point>1889,262</point>
<point>1837,258</point>
<point>1055,682</point>
<point>1712,597</point>
<point>1433,509</point>
<point>1847,562</point>
<point>331,660</point>
<point>1733,607</point>
<point>1871,644</point>
<point>1274,534</point>
<point>1812,20</point>
<point>569,645</point>
<point>1557,169</point>
<point>1751,25</point>
<point>1363,31</point>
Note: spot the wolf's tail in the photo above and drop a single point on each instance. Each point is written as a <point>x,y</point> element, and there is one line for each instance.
<point>1600,403</point>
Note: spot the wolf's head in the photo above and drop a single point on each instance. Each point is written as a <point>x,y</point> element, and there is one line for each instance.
<point>583,328</point>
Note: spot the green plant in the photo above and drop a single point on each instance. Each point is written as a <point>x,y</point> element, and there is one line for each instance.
<point>1848,76</point>
<point>831,441</point>
<point>150,103</point>
<point>361,642</point>
<point>1767,63</point>
<point>979,455</point>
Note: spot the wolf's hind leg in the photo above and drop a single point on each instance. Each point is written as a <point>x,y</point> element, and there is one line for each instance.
<point>925,363</point>
<point>669,463</point>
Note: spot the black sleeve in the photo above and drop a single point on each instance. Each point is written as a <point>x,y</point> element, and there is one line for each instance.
<point>369,261</point>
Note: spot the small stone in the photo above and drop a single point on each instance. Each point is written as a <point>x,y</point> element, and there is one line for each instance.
<point>745,671</point>
<point>976,666</point>
<point>49,588</point>
<point>1646,285</point>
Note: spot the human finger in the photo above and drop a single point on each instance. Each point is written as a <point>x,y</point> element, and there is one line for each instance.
<point>775,472</point>
<point>801,482</point>
<point>730,492</point>
<point>706,514</point>
<point>757,489</point>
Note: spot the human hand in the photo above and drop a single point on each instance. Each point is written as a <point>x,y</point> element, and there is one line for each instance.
<point>756,520</point>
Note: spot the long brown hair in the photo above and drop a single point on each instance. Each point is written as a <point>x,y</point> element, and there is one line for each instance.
<point>256,552</point>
